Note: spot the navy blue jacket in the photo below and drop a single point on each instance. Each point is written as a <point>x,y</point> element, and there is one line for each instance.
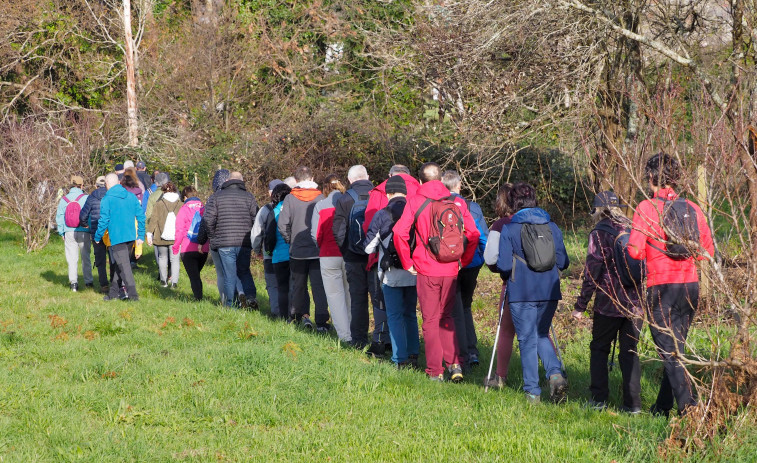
<point>90,213</point>
<point>525,285</point>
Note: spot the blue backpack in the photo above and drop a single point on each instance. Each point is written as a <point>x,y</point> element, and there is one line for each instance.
<point>355,233</point>
<point>194,227</point>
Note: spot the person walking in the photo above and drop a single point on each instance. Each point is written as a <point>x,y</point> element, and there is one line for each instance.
<point>161,231</point>
<point>398,285</point>
<point>672,279</point>
<point>229,216</point>
<point>257,237</point>
<point>280,256</point>
<point>119,211</point>
<point>437,279</point>
<point>294,223</point>
<point>90,215</point>
<point>533,288</point>
<point>617,310</point>
<point>193,255</point>
<point>504,348</point>
<point>76,237</point>
<point>349,216</point>
<point>467,277</point>
<point>333,270</point>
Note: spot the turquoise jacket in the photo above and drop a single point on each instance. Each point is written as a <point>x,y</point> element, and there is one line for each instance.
<point>118,210</point>
<point>281,250</point>
<point>60,215</point>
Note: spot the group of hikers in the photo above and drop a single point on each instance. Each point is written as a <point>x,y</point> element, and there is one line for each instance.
<point>411,243</point>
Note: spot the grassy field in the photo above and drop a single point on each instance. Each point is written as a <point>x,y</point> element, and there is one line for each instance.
<point>168,379</point>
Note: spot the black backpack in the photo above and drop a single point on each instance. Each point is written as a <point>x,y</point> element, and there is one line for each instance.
<point>538,247</point>
<point>630,271</point>
<point>269,231</point>
<point>679,223</point>
<point>355,233</point>
<point>391,258</point>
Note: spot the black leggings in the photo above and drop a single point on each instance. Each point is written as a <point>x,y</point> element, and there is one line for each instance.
<point>193,264</point>
<point>281,270</point>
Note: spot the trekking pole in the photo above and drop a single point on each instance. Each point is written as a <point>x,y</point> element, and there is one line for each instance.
<point>557,348</point>
<point>496,340</point>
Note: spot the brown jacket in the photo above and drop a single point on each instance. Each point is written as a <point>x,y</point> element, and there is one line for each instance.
<point>158,218</point>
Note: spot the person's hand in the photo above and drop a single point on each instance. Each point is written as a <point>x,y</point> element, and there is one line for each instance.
<point>412,270</point>
<point>139,242</point>
<point>149,240</point>
<point>577,314</point>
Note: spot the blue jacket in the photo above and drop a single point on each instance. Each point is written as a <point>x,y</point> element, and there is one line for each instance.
<point>146,195</point>
<point>281,250</point>
<point>90,213</point>
<point>478,217</point>
<point>525,285</point>
<point>60,214</point>
<point>118,210</point>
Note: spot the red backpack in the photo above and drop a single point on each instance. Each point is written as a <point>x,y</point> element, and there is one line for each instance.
<point>73,208</point>
<point>446,238</point>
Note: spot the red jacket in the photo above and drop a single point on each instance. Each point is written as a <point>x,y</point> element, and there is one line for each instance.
<point>324,237</point>
<point>377,200</point>
<point>423,261</point>
<point>647,231</point>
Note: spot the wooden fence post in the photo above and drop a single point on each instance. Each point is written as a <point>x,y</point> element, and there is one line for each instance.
<point>702,199</point>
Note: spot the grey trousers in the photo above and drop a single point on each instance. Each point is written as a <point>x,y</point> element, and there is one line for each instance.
<point>119,255</point>
<point>271,287</point>
<point>77,244</point>
<point>165,254</point>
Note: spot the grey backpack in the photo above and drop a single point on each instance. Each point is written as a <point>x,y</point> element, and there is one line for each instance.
<point>538,247</point>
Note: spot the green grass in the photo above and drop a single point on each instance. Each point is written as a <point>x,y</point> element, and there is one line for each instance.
<point>168,379</point>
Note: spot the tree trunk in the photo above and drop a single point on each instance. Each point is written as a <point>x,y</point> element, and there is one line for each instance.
<point>131,81</point>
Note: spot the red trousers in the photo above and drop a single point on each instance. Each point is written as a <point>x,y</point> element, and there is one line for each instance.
<point>436,297</point>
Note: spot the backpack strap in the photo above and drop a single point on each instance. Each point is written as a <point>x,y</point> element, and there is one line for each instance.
<point>79,197</point>
<point>353,195</point>
<point>68,201</point>
<point>607,229</point>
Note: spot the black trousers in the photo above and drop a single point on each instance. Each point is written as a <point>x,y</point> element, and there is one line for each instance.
<point>302,270</point>
<point>281,270</point>
<point>671,308</point>
<point>101,256</point>
<point>465,330</point>
<point>193,264</point>
<point>121,267</point>
<point>357,276</point>
<point>604,331</point>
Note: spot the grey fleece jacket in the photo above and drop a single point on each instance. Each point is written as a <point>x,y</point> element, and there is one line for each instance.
<point>296,218</point>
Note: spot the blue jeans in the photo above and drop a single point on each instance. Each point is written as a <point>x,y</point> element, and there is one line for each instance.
<point>236,264</point>
<point>219,276</point>
<point>400,305</point>
<point>532,321</point>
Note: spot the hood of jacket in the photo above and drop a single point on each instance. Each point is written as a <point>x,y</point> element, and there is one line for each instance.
<point>361,187</point>
<point>219,178</point>
<point>171,197</point>
<point>396,206</point>
<point>306,193</point>
<point>231,184</point>
<point>118,191</point>
<point>433,190</point>
<point>532,215</point>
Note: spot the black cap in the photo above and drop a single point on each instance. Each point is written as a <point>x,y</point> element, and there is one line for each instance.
<point>396,184</point>
<point>607,199</point>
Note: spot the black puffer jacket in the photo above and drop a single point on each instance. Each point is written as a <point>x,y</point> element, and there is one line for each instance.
<point>229,215</point>
<point>90,213</point>
<point>342,211</point>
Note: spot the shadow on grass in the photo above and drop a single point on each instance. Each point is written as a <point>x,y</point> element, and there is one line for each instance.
<point>55,278</point>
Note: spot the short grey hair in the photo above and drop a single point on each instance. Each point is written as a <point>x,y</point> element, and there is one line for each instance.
<point>161,178</point>
<point>356,173</point>
<point>399,169</point>
<point>451,179</point>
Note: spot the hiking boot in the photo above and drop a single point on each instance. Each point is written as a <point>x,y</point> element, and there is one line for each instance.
<point>107,298</point>
<point>174,286</point>
<point>455,373</point>
<point>322,330</point>
<point>306,323</point>
<point>631,410</point>
<point>473,360</point>
<point>406,365</point>
<point>105,289</point>
<point>413,360</point>
<point>74,287</point>
<point>242,300</point>
<point>253,304</point>
<point>438,379</point>
<point>89,285</point>
<point>659,411</point>
<point>164,284</point>
<point>558,388</point>
<point>532,399</point>
<point>377,349</point>
<point>597,405</point>
<point>495,381</point>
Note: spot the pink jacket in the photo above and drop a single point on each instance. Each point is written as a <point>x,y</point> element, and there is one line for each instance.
<point>183,220</point>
